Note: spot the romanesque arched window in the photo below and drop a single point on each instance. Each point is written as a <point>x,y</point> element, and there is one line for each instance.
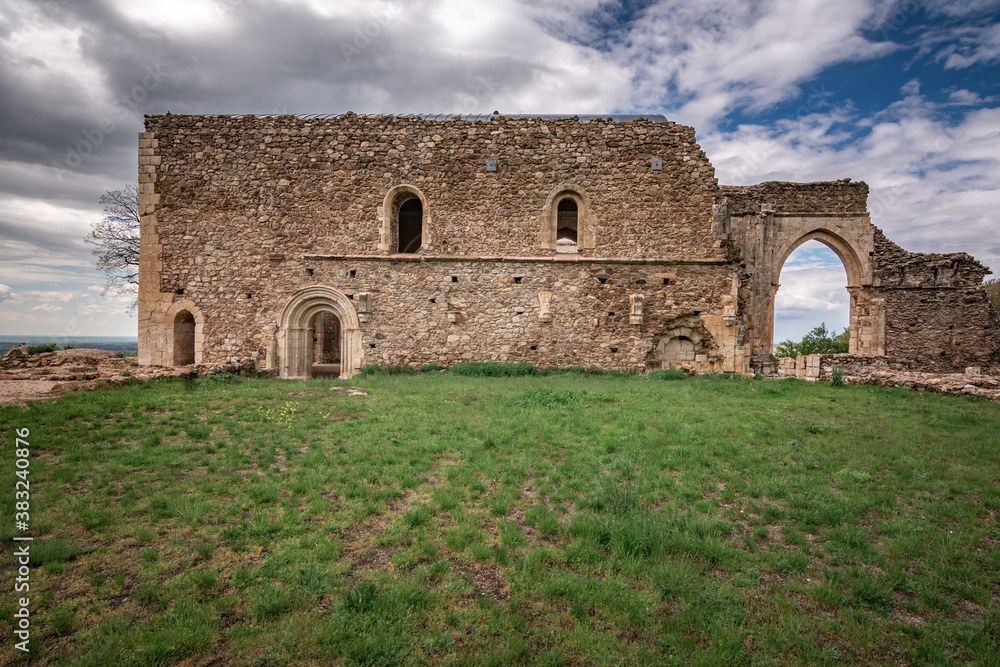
<point>567,221</point>
<point>404,221</point>
<point>409,225</point>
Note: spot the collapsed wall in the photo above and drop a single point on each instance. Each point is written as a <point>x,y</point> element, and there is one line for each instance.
<point>929,309</point>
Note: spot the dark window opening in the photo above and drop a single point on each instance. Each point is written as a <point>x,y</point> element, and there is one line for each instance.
<point>567,221</point>
<point>411,223</point>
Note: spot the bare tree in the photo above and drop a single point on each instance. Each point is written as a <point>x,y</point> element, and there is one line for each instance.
<point>116,241</point>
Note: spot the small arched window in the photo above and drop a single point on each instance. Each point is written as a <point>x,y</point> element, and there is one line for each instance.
<point>567,221</point>
<point>405,221</point>
<point>410,226</point>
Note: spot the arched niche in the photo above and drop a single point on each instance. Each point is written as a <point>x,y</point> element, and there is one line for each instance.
<point>185,333</point>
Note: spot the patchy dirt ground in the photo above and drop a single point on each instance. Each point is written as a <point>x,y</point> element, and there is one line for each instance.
<point>51,374</point>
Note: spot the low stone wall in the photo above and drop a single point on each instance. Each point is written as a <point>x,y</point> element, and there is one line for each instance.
<point>85,366</point>
<point>892,372</point>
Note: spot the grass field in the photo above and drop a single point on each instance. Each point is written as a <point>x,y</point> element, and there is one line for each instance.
<point>565,519</point>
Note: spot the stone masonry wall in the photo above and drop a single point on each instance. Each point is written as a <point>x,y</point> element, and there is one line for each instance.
<point>249,209</point>
<point>937,312</point>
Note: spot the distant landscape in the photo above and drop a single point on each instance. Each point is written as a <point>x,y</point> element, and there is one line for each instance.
<point>116,343</point>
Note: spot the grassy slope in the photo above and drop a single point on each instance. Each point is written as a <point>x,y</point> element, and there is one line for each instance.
<point>549,520</point>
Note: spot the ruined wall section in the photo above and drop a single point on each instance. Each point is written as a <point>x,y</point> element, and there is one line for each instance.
<point>760,224</point>
<point>842,196</point>
<point>936,309</point>
<point>257,186</point>
<point>249,210</point>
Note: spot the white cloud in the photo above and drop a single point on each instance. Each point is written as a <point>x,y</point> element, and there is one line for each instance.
<point>48,307</point>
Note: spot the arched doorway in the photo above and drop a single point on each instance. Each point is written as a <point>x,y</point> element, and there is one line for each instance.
<point>866,313</point>
<point>297,328</point>
<point>813,293</point>
<point>326,344</point>
<point>184,325</point>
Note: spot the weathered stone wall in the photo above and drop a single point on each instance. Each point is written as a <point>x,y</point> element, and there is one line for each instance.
<point>249,210</point>
<point>936,309</point>
<point>842,196</point>
<point>253,225</point>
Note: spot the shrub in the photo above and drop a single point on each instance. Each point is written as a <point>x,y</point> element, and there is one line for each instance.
<point>491,369</point>
<point>837,376</point>
<point>818,341</point>
<point>667,374</point>
<point>39,349</point>
<point>374,369</point>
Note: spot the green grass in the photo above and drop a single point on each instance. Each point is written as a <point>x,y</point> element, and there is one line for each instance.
<point>495,515</point>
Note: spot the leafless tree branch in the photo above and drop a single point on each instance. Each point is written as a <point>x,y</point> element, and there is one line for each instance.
<point>115,238</point>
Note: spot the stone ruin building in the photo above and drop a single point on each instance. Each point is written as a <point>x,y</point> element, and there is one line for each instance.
<point>552,240</point>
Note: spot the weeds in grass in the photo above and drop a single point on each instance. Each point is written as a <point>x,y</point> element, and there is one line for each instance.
<point>705,521</point>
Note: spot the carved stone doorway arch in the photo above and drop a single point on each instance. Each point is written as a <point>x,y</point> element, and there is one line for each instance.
<point>294,337</point>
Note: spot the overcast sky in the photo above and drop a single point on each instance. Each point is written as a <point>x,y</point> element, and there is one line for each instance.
<point>903,95</point>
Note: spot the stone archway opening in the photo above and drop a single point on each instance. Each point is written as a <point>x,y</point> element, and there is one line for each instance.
<point>184,338</point>
<point>814,291</point>
<point>318,322</point>
<point>326,345</point>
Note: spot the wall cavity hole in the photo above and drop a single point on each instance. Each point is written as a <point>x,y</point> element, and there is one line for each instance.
<point>249,296</point>
<point>603,281</point>
<point>666,281</point>
<point>179,290</point>
<point>614,349</point>
<point>640,281</point>
<point>518,279</point>
<point>371,345</point>
<point>454,279</point>
<point>533,348</point>
<point>434,300</point>
<point>611,314</point>
<point>352,273</point>
<point>310,271</point>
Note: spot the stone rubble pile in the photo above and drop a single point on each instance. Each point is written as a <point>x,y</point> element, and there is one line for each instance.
<point>101,367</point>
<point>953,384</point>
